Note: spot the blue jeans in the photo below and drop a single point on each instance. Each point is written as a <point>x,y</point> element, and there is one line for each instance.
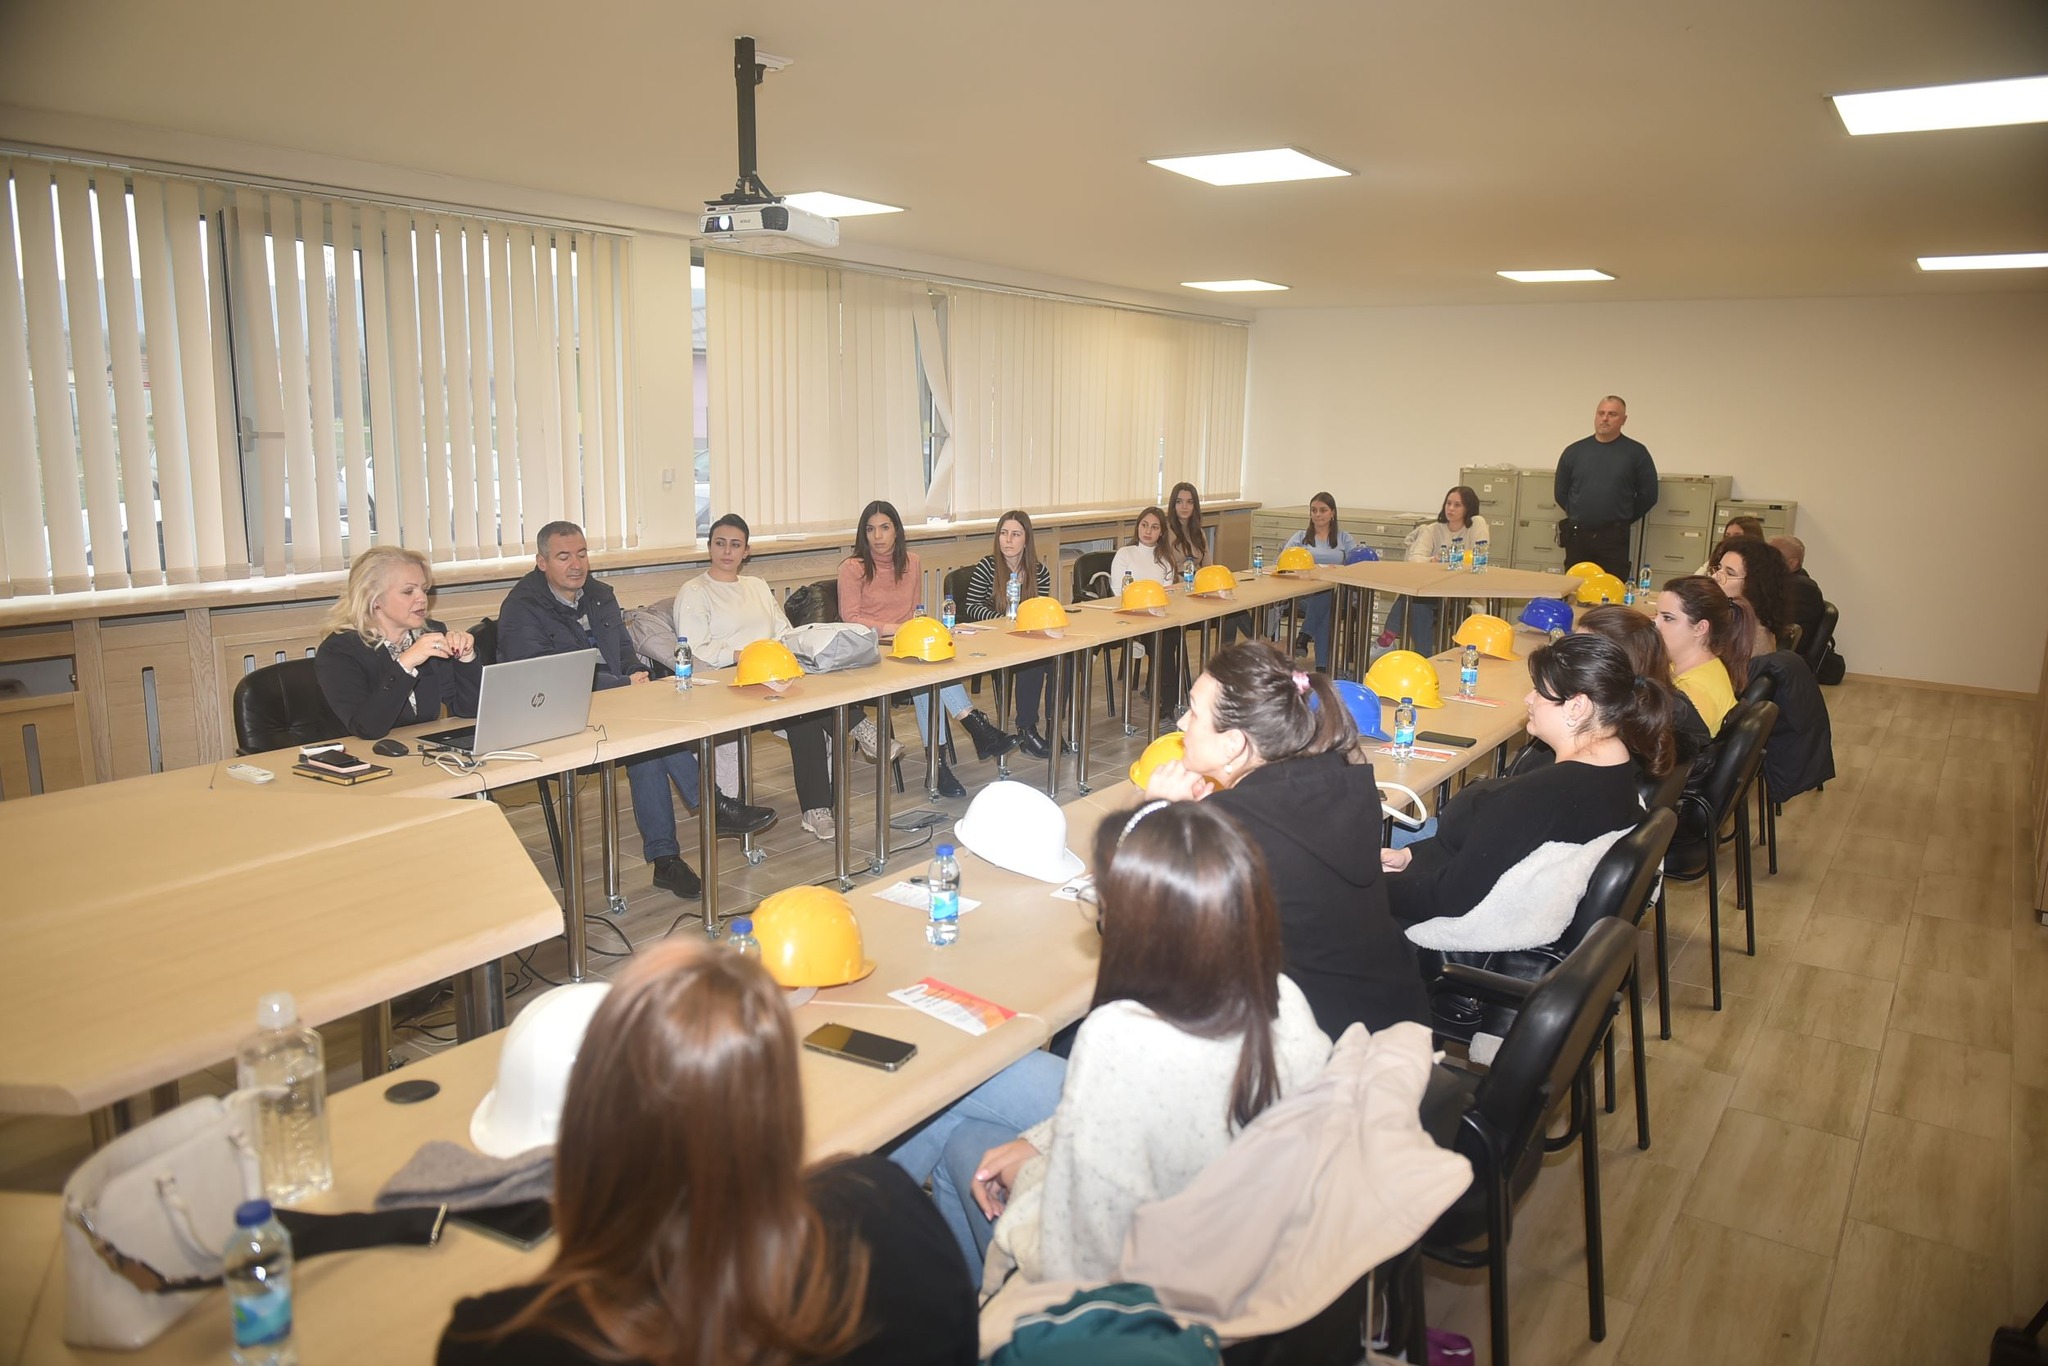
<point>952,697</point>
<point>949,1146</point>
<point>654,809</point>
<point>1424,621</point>
<point>1315,619</point>
<point>1403,836</point>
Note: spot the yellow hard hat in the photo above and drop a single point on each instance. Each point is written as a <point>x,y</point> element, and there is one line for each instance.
<point>1492,635</point>
<point>923,638</point>
<point>809,938</point>
<point>1214,578</point>
<point>1040,614</point>
<point>1294,560</point>
<point>1172,745</point>
<point>1602,587</point>
<point>1585,569</point>
<point>1403,673</point>
<point>1143,595</point>
<point>766,661</point>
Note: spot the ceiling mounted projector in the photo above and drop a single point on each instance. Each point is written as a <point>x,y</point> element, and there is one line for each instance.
<point>753,217</point>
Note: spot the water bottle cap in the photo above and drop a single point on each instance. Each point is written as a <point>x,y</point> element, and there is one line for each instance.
<point>944,851</point>
<point>277,1011</point>
<point>1407,701</point>
<point>250,1213</point>
<point>682,639</point>
<point>742,925</point>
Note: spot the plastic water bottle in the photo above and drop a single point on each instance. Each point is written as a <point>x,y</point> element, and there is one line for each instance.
<point>1479,557</point>
<point>1125,586</point>
<point>1187,573</point>
<point>1468,672</point>
<point>1258,560</point>
<point>740,938</point>
<point>283,1059</point>
<point>686,664</point>
<point>942,881</point>
<point>1643,584</point>
<point>1457,555</point>
<point>948,613</point>
<point>1443,555</point>
<point>1404,730</point>
<point>1016,595</point>
<point>258,1272</point>
<point>1628,595</point>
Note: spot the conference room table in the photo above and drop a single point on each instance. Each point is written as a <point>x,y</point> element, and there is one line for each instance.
<point>1357,585</point>
<point>145,918</point>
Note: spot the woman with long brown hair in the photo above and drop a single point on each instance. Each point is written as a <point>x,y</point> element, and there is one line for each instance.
<point>688,1231</point>
<point>1150,556</point>
<point>1708,636</point>
<point>1013,556</point>
<point>1753,572</point>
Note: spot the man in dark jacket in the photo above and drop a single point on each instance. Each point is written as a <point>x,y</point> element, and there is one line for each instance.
<point>1804,602</point>
<point>1605,483</point>
<point>561,607</point>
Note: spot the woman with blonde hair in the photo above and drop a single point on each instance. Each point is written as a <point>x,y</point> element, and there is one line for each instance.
<point>689,1231</point>
<point>385,663</point>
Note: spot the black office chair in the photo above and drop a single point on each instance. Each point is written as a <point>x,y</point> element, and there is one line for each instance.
<point>1815,651</point>
<point>1545,1061</point>
<point>1091,584</point>
<point>1662,794</point>
<point>280,705</point>
<point>1763,687</point>
<point>1695,851</point>
<point>484,640</point>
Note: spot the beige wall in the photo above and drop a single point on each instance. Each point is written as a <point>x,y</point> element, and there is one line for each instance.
<point>1913,433</point>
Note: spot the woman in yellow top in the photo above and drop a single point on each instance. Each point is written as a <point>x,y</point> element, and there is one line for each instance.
<point>1709,636</point>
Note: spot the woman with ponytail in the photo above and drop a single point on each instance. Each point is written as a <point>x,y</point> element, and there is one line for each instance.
<point>1709,636</point>
<point>1607,724</point>
<point>1275,747</point>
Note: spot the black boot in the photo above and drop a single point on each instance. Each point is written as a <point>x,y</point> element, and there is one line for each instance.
<point>989,743</point>
<point>949,786</point>
<point>735,819</point>
<point>1033,744</point>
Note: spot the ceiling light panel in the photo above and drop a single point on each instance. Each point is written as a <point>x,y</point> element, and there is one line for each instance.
<point>1551,277</point>
<point>1251,168</point>
<point>1980,104</point>
<point>830,205</point>
<point>1230,286</point>
<point>2012,260</point>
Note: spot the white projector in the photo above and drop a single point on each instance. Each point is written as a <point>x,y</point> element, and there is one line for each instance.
<point>768,228</point>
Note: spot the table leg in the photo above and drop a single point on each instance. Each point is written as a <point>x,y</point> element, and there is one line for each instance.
<point>109,1122</point>
<point>935,731</point>
<point>164,1099</point>
<point>1159,679</point>
<point>1055,731</point>
<point>376,1026</point>
<point>999,685</point>
<point>572,872</point>
<point>1130,672</point>
<point>882,768</point>
<point>480,1000</point>
<point>608,819</point>
<point>1084,689</point>
<point>842,796</point>
<point>707,830</point>
<point>743,741</point>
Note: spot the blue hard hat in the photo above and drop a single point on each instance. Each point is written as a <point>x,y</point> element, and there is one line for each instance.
<point>1548,614</point>
<point>1360,554</point>
<point>1364,705</point>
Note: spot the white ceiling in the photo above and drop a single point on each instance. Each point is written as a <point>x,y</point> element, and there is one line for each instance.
<point>1685,147</point>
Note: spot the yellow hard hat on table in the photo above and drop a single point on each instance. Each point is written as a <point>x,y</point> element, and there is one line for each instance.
<point>1403,673</point>
<point>1492,635</point>
<point>1602,587</point>
<point>1143,595</point>
<point>766,661</point>
<point>923,638</point>
<point>1296,559</point>
<point>1214,580</point>
<point>1040,614</point>
<point>809,938</point>
<point>1585,569</point>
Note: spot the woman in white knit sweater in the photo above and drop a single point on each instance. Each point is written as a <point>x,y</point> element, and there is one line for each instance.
<point>1458,527</point>
<point>1192,1032</point>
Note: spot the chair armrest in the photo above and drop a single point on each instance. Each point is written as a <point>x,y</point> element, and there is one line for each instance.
<point>1470,981</point>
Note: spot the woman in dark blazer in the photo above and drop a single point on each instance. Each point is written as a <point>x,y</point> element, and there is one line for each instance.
<point>384,663</point>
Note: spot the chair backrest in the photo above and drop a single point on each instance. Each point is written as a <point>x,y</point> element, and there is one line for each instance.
<point>1739,752</point>
<point>1662,794</point>
<point>1626,875</point>
<point>280,705</point>
<point>484,639</point>
<point>1815,650</point>
<point>1552,1036</point>
<point>1762,687</point>
<point>956,586</point>
<point>1087,568</point>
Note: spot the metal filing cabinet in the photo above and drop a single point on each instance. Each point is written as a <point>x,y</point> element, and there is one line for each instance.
<point>1498,489</point>
<point>1778,516</point>
<point>1681,529</point>
<point>1536,514</point>
<point>1272,526</point>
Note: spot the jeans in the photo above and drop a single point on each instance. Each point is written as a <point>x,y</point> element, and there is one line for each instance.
<point>654,809</point>
<point>952,697</point>
<point>1421,614</point>
<point>1315,620</point>
<point>1403,836</point>
<point>949,1146</point>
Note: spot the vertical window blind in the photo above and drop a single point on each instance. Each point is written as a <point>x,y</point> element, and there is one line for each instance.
<point>201,381</point>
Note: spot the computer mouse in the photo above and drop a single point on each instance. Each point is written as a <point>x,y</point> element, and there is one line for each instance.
<point>392,749</point>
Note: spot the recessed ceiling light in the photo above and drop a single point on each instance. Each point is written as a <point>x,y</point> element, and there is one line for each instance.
<point>829,205</point>
<point>2012,260</point>
<point>1230,286</point>
<point>1251,168</point>
<point>1552,277</point>
<point>1980,104</point>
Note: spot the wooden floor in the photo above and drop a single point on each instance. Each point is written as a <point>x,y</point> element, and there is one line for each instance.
<point>1850,1161</point>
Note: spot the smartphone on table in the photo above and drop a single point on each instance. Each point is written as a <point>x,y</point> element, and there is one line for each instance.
<point>856,1045</point>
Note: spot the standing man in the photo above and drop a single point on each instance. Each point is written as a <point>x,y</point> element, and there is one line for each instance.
<point>1606,483</point>
<point>560,607</point>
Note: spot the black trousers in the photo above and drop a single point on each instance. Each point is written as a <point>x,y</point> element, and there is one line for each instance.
<point>1606,546</point>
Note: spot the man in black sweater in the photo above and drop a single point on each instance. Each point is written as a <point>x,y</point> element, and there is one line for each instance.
<point>1606,482</point>
<point>1804,602</point>
<point>561,606</point>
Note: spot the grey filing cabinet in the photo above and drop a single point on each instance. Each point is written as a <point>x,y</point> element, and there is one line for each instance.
<point>1272,526</point>
<point>1498,487</point>
<point>1536,514</point>
<point>1777,515</point>
<point>1682,528</point>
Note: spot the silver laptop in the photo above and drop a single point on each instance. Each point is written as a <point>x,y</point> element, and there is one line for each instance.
<point>525,702</point>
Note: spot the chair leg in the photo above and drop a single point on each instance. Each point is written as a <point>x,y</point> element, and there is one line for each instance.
<point>1663,969</point>
<point>547,813</point>
<point>1608,1050</point>
<point>1596,1254</point>
<point>1771,832</point>
<point>1497,1268</point>
<point>1641,1064</point>
<point>1714,918</point>
<point>1745,873</point>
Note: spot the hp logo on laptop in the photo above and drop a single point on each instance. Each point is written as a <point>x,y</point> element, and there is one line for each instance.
<point>539,700</point>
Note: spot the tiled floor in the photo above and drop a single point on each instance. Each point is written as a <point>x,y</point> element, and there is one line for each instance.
<point>1851,1159</point>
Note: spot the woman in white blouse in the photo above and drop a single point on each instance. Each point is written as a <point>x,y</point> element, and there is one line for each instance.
<point>1457,527</point>
<point>1150,556</point>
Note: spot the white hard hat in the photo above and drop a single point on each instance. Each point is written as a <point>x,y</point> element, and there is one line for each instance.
<point>1015,826</point>
<point>524,1110</point>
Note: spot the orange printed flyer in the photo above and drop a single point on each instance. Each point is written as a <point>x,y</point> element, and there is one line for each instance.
<point>960,1009</point>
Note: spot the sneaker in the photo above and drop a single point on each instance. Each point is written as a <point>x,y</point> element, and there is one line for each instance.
<point>818,820</point>
<point>671,874</point>
<point>867,740</point>
<point>1386,639</point>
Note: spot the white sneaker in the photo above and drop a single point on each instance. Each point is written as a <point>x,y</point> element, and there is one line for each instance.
<point>864,737</point>
<point>818,820</point>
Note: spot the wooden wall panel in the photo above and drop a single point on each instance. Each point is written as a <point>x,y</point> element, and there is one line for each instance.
<point>43,744</point>
<point>134,653</point>
<point>245,641</point>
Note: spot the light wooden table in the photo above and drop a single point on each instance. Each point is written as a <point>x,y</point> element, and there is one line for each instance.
<point>1359,583</point>
<point>145,918</point>
<point>1022,948</point>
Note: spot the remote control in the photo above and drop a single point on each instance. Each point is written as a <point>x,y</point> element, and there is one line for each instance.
<point>249,773</point>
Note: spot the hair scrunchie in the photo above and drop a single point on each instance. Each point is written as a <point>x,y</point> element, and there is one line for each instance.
<point>1300,682</point>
